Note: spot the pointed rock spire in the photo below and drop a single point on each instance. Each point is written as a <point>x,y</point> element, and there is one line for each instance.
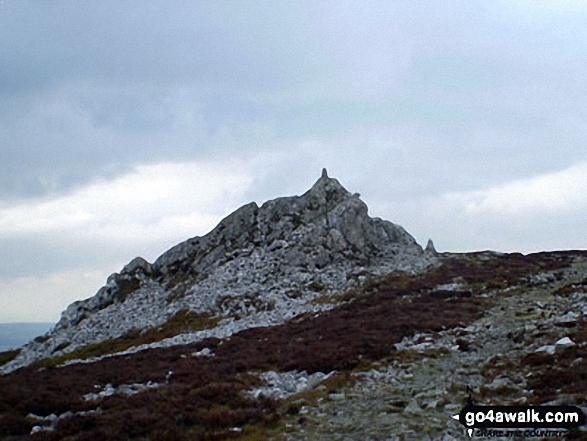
<point>272,250</point>
<point>326,191</point>
<point>430,247</point>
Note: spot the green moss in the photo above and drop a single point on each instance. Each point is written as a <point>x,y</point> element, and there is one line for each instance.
<point>94,350</point>
<point>42,338</point>
<point>8,356</point>
<point>62,346</point>
<point>326,299</point>
<point>261,432</point>
<point>364,366</point>
<point>184,320</point>
<point>127,287</point>
<point>315,286</point>
<point>187,320</point>
<point>396,280</point>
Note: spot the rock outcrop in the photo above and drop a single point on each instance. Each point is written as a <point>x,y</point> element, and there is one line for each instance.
<point>394,358</point>
<point>258,266</point>
<point>430,248</point>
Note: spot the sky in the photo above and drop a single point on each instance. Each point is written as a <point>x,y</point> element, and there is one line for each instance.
<point>127,127</point>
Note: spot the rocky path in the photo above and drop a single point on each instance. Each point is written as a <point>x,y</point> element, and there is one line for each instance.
<point>412,394</point>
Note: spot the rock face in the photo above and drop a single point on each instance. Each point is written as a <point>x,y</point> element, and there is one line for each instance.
<point>260,265</point>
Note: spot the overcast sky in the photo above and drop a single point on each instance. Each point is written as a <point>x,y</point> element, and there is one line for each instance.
<point>127,127</point>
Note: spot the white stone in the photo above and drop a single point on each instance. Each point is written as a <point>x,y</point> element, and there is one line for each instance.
<point>564,342</point>
<point>206,352</point>
<point>547,348</point>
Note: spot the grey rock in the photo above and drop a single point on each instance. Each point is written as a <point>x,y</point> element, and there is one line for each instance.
<point>283,384</point>
<point>37,429</point>
<point>206,352</point>
<point>413,407</point>
<point>262,265</point>
<point>430,248</point>
<point>137,265</point>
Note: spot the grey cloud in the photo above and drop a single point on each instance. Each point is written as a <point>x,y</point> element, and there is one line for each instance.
<point>402,101</point>
<point>125,78</point>
<point>24,257</point>
<point>177,42</point>
<point>468,94</point>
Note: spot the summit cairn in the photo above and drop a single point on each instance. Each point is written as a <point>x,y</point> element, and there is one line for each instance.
<point>430,248</point>
<point>261,265</point>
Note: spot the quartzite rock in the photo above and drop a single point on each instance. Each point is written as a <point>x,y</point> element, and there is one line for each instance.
<point>262,265</point>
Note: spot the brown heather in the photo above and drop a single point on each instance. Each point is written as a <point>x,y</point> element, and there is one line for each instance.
<point>203,398</point>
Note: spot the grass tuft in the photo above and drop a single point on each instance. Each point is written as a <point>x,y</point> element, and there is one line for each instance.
<point>8,356</point>
<point>183,321</point>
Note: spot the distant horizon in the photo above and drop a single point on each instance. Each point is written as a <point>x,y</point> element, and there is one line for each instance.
<point>15,335</point>
<point>126,128</point>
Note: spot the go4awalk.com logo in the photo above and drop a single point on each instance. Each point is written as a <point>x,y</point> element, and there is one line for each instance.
<point>524,421</point>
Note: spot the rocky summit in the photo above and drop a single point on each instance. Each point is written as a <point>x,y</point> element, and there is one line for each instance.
<point>260,266</point>
<point>304,319</point>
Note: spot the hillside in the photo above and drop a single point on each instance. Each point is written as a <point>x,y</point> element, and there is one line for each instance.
<point>303,318</point>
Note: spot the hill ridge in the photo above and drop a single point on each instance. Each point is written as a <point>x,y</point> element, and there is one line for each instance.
<point>258,266</point>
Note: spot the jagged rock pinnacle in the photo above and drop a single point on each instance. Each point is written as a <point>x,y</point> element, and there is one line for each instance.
<point>326,192</point>
<point>263,264</point>
<point>430,248</point>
